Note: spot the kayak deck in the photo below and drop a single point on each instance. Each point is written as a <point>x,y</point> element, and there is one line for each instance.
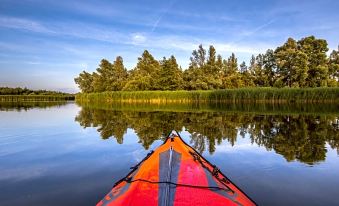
<point>175,174</point>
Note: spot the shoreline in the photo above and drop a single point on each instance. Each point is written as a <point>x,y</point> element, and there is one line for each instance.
<point>242,95</point>
<point>36,98</point>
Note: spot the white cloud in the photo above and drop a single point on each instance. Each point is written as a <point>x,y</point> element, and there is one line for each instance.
<point>239,48</point>
<point>25,24</point>
<point>181,45</point>
<point>138,38</point>
<point>95,32</point>
<point>188,43</point>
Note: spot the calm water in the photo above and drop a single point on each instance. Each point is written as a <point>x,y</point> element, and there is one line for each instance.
<point>65,154</point>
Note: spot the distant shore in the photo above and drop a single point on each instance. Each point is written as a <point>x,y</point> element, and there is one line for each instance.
<point>35,98</point>
<point>18,94</point>
<point>265,95</point>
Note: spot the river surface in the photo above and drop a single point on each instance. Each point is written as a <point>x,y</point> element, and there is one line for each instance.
<point>66,154</point>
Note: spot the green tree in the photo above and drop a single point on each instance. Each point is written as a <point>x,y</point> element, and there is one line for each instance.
<point>101,78</point>
<point>292,65</point>
<point>145,75</point>
<point>118,76</point>
<point>212,69</point>
<point>219,63</point>
<point>194,75</point>
<point>245,75</point>
<point>85,82</point>
<point>211,58</point>
<point>333,68</point>
<point>198,58</point>
<point>269,68</point>
<point>256,70</point>
<point>315,50</point>
<point>231,77</point>
<point>302,63</point>
<point>243,67</point>
<point>170,75</point>
<point>231,65</point>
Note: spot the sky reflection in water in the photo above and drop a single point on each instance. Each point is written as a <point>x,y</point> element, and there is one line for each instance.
<point>47,158</point>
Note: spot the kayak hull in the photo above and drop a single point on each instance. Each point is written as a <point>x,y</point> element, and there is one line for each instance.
<point>175,174</point>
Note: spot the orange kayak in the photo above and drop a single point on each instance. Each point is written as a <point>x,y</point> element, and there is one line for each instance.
<point>175,174</point>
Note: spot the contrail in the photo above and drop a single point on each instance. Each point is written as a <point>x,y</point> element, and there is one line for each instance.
<point>260,27</point>
<point>254,31</point>
<point>155,25</point>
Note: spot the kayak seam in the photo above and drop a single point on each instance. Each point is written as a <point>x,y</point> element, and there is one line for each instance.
<point>168,178</point>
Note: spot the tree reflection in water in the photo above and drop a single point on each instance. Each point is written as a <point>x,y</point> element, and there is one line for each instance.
<point>301,137</point>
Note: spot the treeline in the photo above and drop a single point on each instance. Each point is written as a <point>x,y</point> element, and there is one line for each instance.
<point>302,63</point>
<point>25,91</point>
<point>35,98</point>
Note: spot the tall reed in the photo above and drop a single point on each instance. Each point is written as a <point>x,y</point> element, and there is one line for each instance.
<point>267,95</point>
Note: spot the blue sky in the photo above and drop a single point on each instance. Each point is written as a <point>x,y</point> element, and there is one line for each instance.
<point>45,44</point>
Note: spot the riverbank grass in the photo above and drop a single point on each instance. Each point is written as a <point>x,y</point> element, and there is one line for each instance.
<point>274,95</point>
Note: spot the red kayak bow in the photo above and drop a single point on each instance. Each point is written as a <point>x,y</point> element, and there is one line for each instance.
<point>175,174</point>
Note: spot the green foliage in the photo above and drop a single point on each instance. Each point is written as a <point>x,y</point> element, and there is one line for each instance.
<point>315,53</point>
<point>231,66</point>
<point>85,82</point>
<point>118,78</point>
<point>204,71</point>
<point>270,68</point>
<point>170,75</point>
<point>231,77</point>
<point>109,77</point>
<point>194,75</point>
<point>333,68</point>
<point>212,69</point>
<point>292,64</point>
<point>298,64</point>
<point>145,75</point>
